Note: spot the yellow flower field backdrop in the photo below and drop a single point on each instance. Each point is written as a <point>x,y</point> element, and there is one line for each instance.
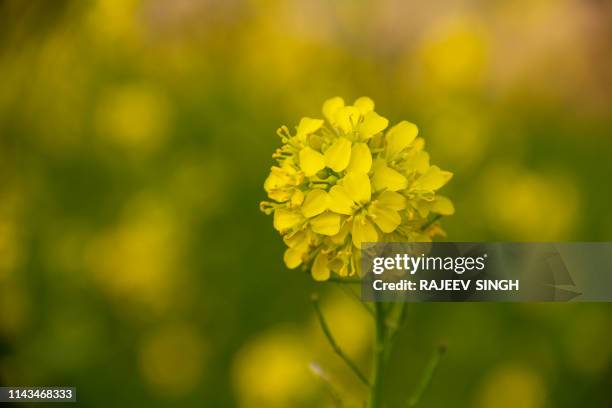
<point>135,136</point>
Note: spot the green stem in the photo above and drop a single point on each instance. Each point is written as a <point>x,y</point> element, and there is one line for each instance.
<point>394,324</point>
<point>430,222</point>
<point>378,358</point>
<point>332,342</point>
<point>427,376</point>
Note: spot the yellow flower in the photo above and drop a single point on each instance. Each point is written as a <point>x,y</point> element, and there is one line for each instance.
<point>342,181</point>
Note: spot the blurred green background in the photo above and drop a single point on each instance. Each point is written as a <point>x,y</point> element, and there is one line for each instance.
<point>134,140</point>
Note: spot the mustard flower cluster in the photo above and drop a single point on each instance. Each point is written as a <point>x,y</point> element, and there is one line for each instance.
<point>342,181</point>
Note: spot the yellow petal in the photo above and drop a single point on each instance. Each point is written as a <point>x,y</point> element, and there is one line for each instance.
<point>361,159</point>
<point>273,182</point>
<point>387,178</point>
<point>346,118</point>
<point>331,107</point>
<point>277,178</point>
<point>298,241</point>
<point>364,104</point>
<point>419,163</point>
<point>443,206</point>
<point>357,187</point>
<point>320,270</point>
<point>297,198</point>
<point>418,144</point>
<point>339,201</point>
<point>344,270</point>
<point>392,200</point>
<point>399,137</point>
<point>363,231</point>
<point>423,207</point>
<point>337,156</point>
<point>327,223</point>
<point>311,161</point>
<point>339,238</point>
<point>286,219</point>
<point>386,219</point>
<point>309,125</point>
<point>372,124</point>
<point>338,266</point>
<point>280,196</point>
<point>292,258</point>
<point>315,203</point>
<point>433,179</point>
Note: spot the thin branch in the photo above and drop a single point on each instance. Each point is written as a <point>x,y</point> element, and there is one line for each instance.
<point>394,328</point>
<point>332,342</point>
<point>337,279</point>
<point>427,376</point>
<point>430,222</point>
<point>378,366</point>
<point>323,377</point>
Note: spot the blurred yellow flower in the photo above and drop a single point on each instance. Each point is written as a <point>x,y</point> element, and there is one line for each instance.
<point>455,53</point>
<point>111,21</point>
<point>513,386</point>
<point>137,261</point>
<point>343,181</point>
<point>135,117</point>
<point>272,371</point>
<point>529,206</point>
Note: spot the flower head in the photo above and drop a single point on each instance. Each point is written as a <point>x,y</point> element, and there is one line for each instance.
<point>347,179</point>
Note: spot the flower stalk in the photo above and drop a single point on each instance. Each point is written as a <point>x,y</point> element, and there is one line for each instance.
<point>427,376</point>
<point>347,179</point>
<point>378,366</point>
<point>334,345</point>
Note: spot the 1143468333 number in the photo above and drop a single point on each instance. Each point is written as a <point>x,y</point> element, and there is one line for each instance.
<point>39,394</point>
